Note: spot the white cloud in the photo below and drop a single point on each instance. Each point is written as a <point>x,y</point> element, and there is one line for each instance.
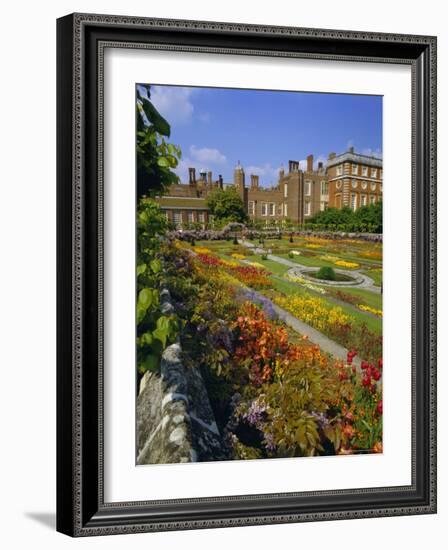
<point>207,156</point>
<point>173,103</point>
<point>268,173</point>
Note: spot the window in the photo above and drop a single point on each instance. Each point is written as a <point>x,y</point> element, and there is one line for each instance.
<point>324,187</point>
<point>285,209</point>
<point>272,209</point>
<point>354,169</point>
<point>372,199</point>
<point>280,209</point>
<point>177,219</point>
<point>202,217</point>
<point>323,206</point>
<point>381,173</point>
<point>307,208</point>
<point>285,190</point>
<point>363,200</point>
<point>307,188</point>
<point>190,217</point>
<point>353,201</point>
<point>373,172</point>
<point>339,170</point>
<point>364,170</point>
<point>251,205</point>
<point>264,209</point>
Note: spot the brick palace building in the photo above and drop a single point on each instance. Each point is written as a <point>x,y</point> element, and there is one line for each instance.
<point>349,179</point>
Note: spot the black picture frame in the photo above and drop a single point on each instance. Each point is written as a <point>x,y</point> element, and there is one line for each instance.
<point>81,510</point>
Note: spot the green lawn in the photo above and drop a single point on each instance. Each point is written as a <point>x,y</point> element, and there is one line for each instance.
<point>369,298</point>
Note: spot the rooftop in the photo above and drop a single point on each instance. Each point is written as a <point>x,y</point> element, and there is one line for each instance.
<point>351,156</point>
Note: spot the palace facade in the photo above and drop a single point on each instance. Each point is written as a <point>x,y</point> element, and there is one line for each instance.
<point>349,179</point>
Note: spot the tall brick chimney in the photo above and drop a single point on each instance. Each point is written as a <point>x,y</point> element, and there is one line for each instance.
<point>309,163</point>
<point>209,178</point>
<point>254,181</point>
<point>192,176</point>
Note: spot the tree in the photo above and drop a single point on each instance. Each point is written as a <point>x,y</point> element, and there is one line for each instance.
<point>365,218</point>
<point>226,205</point>
<point>156,158</point>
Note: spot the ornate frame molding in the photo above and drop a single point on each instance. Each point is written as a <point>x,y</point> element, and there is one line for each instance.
<point>81,42</point>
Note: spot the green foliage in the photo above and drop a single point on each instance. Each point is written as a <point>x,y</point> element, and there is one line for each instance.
<point>364,219</point>
<point>156,158</point>
<point>155,331</point>
<point>226,205</point>
<point>326,273</point>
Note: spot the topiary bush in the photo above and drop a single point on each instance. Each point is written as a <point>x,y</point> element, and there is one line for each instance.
<point>326,273</point>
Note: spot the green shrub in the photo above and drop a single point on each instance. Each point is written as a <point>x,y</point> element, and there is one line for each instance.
<point>327,273</point>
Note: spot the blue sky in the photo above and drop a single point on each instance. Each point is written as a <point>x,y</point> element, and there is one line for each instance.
<point>216,127</point>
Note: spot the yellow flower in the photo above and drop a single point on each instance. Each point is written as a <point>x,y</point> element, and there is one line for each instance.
<point>343,263</point>
<point>370,310</point>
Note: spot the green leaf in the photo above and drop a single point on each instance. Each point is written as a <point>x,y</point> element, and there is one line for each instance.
<point>155,118</point>
<point>147,297</point>
<point>163,162</point>
<point>156,265</point>
<point>141,269</point>
<point>151,363</point>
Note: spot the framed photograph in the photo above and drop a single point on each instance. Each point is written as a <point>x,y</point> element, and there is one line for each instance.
<point>246,274</point>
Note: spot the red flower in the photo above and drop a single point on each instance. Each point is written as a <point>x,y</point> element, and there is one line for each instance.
<point>376,374</point>
<point>379,407</point>
<point>380,363</point>
<point>364,365</point>
<point>366,381</point>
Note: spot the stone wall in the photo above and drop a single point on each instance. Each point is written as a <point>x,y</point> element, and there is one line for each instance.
<point>175,421</point>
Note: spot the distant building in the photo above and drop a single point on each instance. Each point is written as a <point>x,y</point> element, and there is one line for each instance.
<point>354,180</point>
<point>349,179</point>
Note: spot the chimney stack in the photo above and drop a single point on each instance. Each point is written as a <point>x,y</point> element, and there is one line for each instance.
<point>220,182</point>
<point>293,166</point>
<point>254,181</point>
<point>192,176</point>
<point>309,163</point>
<point>320,166</point>
<point>209,178</point>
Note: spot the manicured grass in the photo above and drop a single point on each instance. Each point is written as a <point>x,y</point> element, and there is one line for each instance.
<point>377,276</point>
